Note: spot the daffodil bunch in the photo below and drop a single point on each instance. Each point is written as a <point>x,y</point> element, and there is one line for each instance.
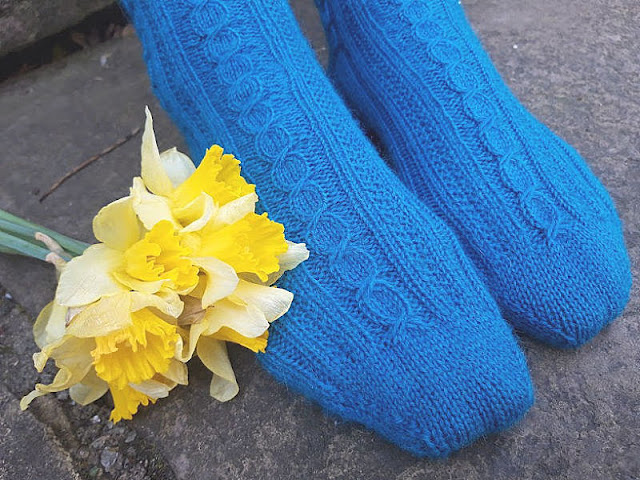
<point>183,266</point>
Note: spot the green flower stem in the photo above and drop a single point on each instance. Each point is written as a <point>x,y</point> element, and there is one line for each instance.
<point>24,230</point>
<point>11,244</point>
<point>8,250</point>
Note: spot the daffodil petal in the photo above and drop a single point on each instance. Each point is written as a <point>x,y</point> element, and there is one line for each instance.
<point>89,277</point>
<point>256,344</point>
<point>150,209</point>
<point>177,372</point>
<point>90,389</point>
<point>168,303</point>
<point>153,173</point>
<point>73,360</point>
<point>273,302</point>
<point>236,209</point>
<point>138,285</point>
<point>196,214</point>
<point>221,279</point>
<point>178,349</point>
<point>152,388</point>
<point>247,320</point>
<point>294,256</point>
<point>103,317</point>
<point>213,354</point>
<point>50,324</point>
<point>195,333</point>
<point>116,225</point>
<point>41,358</point>
<point>40,325</point>
<point>30,397</point>
<point>177,166</point>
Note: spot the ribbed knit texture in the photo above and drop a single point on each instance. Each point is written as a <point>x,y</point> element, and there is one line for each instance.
<point>536,222</point>
<point>390,325</point>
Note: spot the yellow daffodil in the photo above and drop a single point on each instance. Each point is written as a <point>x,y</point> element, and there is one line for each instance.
<point>171,188</point>
<point>242,317</point>
<point>213,207</point>
<point>156,261</point>
<point>123,343</point>
<point>183,266</point>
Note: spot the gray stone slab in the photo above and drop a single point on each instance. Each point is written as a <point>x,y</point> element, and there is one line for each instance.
<point>575,66</point>
<point>29,449</point>
<point>25,21</point>
<point>55,119</point>
<point>67,436</point>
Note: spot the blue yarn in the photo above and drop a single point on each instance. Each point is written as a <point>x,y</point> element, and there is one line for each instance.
<point>391,325</point>
<point>537,223</point>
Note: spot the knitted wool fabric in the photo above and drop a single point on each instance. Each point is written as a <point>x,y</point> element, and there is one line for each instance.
<point>536,222</point>
<point>390,325</point>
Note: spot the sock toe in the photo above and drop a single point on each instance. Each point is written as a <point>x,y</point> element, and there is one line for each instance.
<point>567,292</point>
<point>433,391</point>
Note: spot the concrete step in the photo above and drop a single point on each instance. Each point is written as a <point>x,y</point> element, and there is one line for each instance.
<point>23,22</point>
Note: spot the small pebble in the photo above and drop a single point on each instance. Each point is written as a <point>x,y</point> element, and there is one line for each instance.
<point>99,442</point>
<point>95,419</point>
<point>515,46</point>
<point>62,395</point>
<point>108,457</point>
<point>83,453</point>
<point>130,438</point>
<point>8,296</point>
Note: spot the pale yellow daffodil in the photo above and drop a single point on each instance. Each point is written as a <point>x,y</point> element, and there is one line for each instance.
<point>213,207</point>
<point>171,188</point>
<point>157,261</point>
<point>183,266</point>
<point>242,317</point>
<point>123,343</point>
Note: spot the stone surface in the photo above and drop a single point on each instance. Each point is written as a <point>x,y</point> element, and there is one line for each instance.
<point>22,433</point>
<point>66,434</point>
<point>24,21</point>
<point>575,66</point>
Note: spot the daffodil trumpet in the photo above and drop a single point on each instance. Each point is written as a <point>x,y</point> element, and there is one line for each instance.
<point>183,266</point>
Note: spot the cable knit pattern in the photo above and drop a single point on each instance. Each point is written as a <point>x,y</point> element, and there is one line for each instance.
<point>536,222</point>
<point>390,326</point>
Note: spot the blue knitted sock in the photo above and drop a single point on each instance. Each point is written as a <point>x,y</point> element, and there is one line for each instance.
<point>390,326</point>
<point>535,221</point>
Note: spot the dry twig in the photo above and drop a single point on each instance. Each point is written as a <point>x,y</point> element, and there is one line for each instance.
<point>89,161</point>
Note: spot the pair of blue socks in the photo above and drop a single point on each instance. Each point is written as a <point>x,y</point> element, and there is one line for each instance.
<point>400,314</point>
